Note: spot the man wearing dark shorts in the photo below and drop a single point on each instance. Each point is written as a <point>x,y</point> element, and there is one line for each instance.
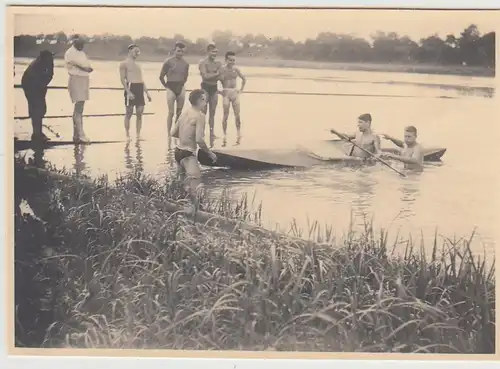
<point>210,73</point>
<point>190,130</point>
<point>176,69</point>
<point>133,83</point>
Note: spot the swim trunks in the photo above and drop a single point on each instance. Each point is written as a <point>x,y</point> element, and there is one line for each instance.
<point>175,87</point>
<point>181,154</point>
<point>230,95</point>
<point>211,90</point>
<point>138,90</point>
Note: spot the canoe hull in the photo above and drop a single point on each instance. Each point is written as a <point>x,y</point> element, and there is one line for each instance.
<point>263,159</point>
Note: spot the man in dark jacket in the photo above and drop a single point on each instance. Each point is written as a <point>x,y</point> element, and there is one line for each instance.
<point>34,82</point>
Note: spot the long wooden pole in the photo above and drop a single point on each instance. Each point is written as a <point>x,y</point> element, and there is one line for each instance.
<point>248,92</point>
<point>87,116</point>
<point>343,137</point>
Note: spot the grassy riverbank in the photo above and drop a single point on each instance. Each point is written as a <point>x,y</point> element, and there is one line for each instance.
<point>106,266</point>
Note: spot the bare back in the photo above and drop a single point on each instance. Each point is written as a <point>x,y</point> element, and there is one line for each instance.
<point>191,128</point>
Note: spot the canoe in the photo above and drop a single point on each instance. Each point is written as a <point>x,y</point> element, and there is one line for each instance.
<point>430,153</point>
<point>261,159</point>
<point>20,145</point>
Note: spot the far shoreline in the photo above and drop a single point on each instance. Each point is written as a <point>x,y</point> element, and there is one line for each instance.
<point>457,70</point>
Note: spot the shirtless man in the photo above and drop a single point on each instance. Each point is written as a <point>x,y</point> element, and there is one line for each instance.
<point>210,72</point>
<point>411,153</point>
<point>231,94</point>
<point>365,138</point>
<point>134,89</point>
<point>190,130</point>
<point>176,69</point>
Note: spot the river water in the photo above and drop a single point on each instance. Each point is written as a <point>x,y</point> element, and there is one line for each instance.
<point>453,197</point>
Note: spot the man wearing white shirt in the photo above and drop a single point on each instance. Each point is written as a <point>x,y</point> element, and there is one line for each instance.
<point>79,68</point>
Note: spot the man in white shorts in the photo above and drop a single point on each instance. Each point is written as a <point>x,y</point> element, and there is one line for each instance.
<point>190,130</point>
<point>79,69</point>
<point>231,94</point>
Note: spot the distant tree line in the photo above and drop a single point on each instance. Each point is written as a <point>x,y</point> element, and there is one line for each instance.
<point>470,47</point>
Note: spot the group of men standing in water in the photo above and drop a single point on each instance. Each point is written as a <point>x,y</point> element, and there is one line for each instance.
<point>174,74</point>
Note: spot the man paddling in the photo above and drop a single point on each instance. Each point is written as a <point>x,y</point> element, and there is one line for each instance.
<point>365,138</point>
<point>231,93</point>
<point>79,70</point>
<point>135,88</point>
<point>190,130</point>
<point>34,82</point>
<point>411,153</point>
<point>210,72</point>
<point>176,71</point>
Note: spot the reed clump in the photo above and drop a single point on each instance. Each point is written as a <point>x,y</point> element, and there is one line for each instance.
<point>101,268</point>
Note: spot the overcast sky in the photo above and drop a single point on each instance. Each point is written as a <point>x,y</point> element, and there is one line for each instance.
<point>296,24</point>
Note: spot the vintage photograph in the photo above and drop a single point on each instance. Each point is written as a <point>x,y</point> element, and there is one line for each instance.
<point>158,154</point>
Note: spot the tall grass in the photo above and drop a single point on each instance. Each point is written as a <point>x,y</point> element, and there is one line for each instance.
<point>107,269</point>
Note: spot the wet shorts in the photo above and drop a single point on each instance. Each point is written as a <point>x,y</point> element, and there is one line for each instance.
<point>138,90</point>
<point>211,90</point>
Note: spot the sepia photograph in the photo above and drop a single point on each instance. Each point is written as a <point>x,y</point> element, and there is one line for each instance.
<point>158,152</point>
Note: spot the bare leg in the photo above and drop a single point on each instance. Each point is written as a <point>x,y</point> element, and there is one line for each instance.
<point>212,107</point>
<point>237,118</point>
<point>139,110</point>
<point>180,103</point>
<point>129,111</point>
<point>193,179</point>
<point>226,105</point>
<point>171,109</point>
<point>78,133</point>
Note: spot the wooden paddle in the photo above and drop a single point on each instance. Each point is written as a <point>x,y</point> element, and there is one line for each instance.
<point>343,137</point>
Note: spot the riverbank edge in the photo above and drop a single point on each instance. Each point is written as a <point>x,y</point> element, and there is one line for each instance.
<point>300,244</point>
<point>263,62</point>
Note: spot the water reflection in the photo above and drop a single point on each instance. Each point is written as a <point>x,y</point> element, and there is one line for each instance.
<point>38,159</point>
<point>364,185</point>
<point>410,191</point>
<point>138,166</point>
<point>79,164</point>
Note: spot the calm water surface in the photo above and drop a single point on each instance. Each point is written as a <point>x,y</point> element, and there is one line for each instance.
<point>453,197</point>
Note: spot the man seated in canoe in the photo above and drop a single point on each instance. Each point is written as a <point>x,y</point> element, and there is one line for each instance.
<point>365,138</point>
<point>411,153</point>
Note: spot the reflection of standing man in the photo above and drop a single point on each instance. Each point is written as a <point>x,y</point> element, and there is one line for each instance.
<point>210,72</point>
<point>79,69</point>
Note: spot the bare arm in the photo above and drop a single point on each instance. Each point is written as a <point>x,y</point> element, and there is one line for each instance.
<point>417,157</point>
<point>204,71</point>
<point>123,77</point>
<point>164,70</point>
<point>395,141</point>
<point>174,131</point>
<point>243,78</point>
<point>200,134</point>
<point>187,74</point>
<point>376,142</point>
